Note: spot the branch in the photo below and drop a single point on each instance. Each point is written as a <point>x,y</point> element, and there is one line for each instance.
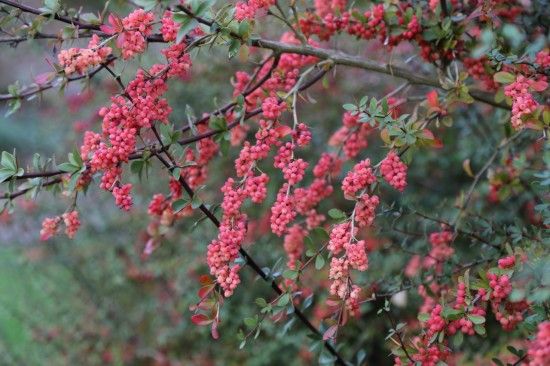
<point>10,196</point>
<point>154,149</point>
<point>456,220</point>
<point>29,9</point>
<point>31,90</point>
<point>249,260</point>
<point>444,8</point>
<point>458,230</point>
<point>246,93</point>
<point>382,295</point>
<point>341,58</point>
<point>398,332</point>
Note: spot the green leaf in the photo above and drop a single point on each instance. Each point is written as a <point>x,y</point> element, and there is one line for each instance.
<point>166,134</point>
<point>432,34</point>
<point>441,337</point>
<point>284,299</point>
<point>504,77</point>
<point>196,202</point>
<point>179,205</point>
<point>372,106</point>
<point>146,4</point>
<point>8,161</point>
<point>290,274</point>
<point>176,173</point>
<point>244,29</point>
<point>479,329</point>
<point>234,46</point>
<point>185,28</point>
<point>74,181</point>
<point>250,322</point>
<point>5,174</point>
<point>90,18</point>
<point>68,167</point>
<point>200,6</point>
<point>52,5</point>
<point>217,123</point>
<point>350,107</point>
<point>136,167</point>
<point>476,319</point>
<point>180,17</point>
<point>307,302</point>
<point>260,301</point>
<point>336,213</point>
<point>320,233</point>
<point>451,314</point>
<point>177,150</point>
<point>458,339</point>
<point>515,351</point>
<point>319,262</point>
<point>13,106</point>
<point>423,317</point>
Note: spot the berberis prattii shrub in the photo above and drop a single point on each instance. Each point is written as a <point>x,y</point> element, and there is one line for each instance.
<point>425,204</point>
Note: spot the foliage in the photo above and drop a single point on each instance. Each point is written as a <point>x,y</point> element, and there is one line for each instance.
<point>252,184</point>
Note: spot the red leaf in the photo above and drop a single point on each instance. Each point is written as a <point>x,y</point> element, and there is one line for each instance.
<point>121,39</point>
<point>539,86</point>
<point>330,332</point>
<point>107,29</point>
<point>205,280</point>
<point>44,78</point>
<point>283,130</point>
<point>116,22</point>
<point>427,134</point>
<point>150,247</point>
<point>203,291</point>
<point>206,304</point>
<point>332,302</point>
<point>438,144</point>
<point>432,100</point>
<point>201,319</point>
<point>214,330</point>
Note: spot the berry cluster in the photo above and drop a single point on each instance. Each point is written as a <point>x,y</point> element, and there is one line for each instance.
<point>464,324</point>
<point>50,225</point>
<point>136,27</point>
<point>80,60</point>
<point>169,28</point>
<point>394,171</point>
<point>272,109</point>
<point>539,348</point>
<point>352,136</point>
<point>330,18</point>
<point>507,313</point>
<point>342,240</point>
<point>72,223</point>
<point>249,9</point>
<point>358,178</point>
<point>122,196</point>
<point>480,69</point>
<point>282,211</point>
<point>294,244</point>
<point>523,103</point>
<point>365,210</point>
<point>224,250</point>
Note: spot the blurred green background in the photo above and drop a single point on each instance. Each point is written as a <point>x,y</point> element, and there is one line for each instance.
<point>94,300</point>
